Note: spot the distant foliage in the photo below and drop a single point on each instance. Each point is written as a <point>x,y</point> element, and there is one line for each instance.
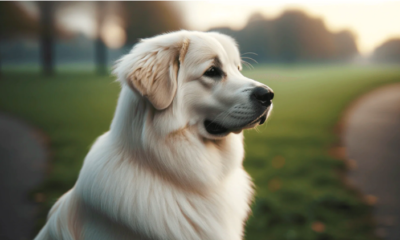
<point>14,20</point>
<point>292,37</point>
<point>388,52</point>
<point>147,18</point>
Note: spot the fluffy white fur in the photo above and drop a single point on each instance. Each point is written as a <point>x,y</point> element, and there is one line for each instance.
<point>158,173</point>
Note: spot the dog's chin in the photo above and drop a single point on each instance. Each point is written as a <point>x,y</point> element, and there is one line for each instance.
<point>218,130</point>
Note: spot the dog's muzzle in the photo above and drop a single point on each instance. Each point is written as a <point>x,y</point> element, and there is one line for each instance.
<point>261,97</point>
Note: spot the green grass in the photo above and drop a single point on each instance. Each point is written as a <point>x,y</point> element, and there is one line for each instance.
<point>298,182</point>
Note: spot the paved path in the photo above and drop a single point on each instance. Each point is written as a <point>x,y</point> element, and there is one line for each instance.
<point>372,139</point>
<point>22,167</point>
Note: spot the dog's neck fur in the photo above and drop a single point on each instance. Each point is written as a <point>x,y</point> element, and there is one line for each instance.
<point>135,130</point>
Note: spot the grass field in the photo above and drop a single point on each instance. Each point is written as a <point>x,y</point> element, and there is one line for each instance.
<point>300,192</point>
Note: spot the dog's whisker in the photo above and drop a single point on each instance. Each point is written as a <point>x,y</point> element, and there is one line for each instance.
<point>245,63</point>
<point>217,117</point>
<point>226,114</point>
<point>250,59</point>
<point>250,53</point>
<point>248,64</point>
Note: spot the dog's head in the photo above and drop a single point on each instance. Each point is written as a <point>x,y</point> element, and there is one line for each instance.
<point>194,79</point>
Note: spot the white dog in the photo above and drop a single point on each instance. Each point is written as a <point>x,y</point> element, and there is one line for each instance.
<point>171,165</point>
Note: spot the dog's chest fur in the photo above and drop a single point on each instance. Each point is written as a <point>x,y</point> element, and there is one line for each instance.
<point>125,195</point>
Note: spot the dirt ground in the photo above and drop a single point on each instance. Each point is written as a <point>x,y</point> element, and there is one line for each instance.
<point>372,139</point>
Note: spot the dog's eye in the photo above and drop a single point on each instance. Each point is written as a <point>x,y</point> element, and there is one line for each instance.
<point>213,72</point>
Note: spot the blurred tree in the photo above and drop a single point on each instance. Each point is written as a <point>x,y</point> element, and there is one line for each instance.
<point>15,21</point>
<point>139,19</point>
<point>146,19</point>
<point>301,37</point>
<point>388,52</point>
<point>47,33</point>
<point>345,45</point>
<point>258,33</point>
<point>293,36</point>
<point>100,47</point>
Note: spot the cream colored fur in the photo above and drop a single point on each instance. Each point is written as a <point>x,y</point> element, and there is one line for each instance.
<point>158,174</point>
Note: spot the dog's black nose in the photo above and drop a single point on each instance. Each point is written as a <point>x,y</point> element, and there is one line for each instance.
<point>262,95</point>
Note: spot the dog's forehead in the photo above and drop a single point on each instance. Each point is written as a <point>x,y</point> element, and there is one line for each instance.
<point>212,44</point>
<point>229,44</point>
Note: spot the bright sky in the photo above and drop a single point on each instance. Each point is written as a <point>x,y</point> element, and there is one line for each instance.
<point>372,21</point>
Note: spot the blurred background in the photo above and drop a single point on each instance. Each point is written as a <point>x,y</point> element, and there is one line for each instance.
<point>314,176</point>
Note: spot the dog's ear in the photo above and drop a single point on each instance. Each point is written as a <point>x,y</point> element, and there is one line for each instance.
<point>155,68</point>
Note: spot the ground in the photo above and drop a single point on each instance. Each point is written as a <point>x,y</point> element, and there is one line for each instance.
<point>22,169</point>
<point>371,136</point>
<point>299,183</point>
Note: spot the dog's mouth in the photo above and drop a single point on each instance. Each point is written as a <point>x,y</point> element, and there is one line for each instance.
<point>215,128</point>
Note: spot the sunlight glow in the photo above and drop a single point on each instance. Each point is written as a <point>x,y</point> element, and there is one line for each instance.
<point>113,34</point>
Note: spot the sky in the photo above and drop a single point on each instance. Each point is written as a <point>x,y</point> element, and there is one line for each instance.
<point>372,21</point>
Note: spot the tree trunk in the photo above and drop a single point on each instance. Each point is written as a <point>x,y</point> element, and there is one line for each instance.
<point>0,60</point>
<point>100,47</point>
<point>47,37</point>
<point>101,56</point>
